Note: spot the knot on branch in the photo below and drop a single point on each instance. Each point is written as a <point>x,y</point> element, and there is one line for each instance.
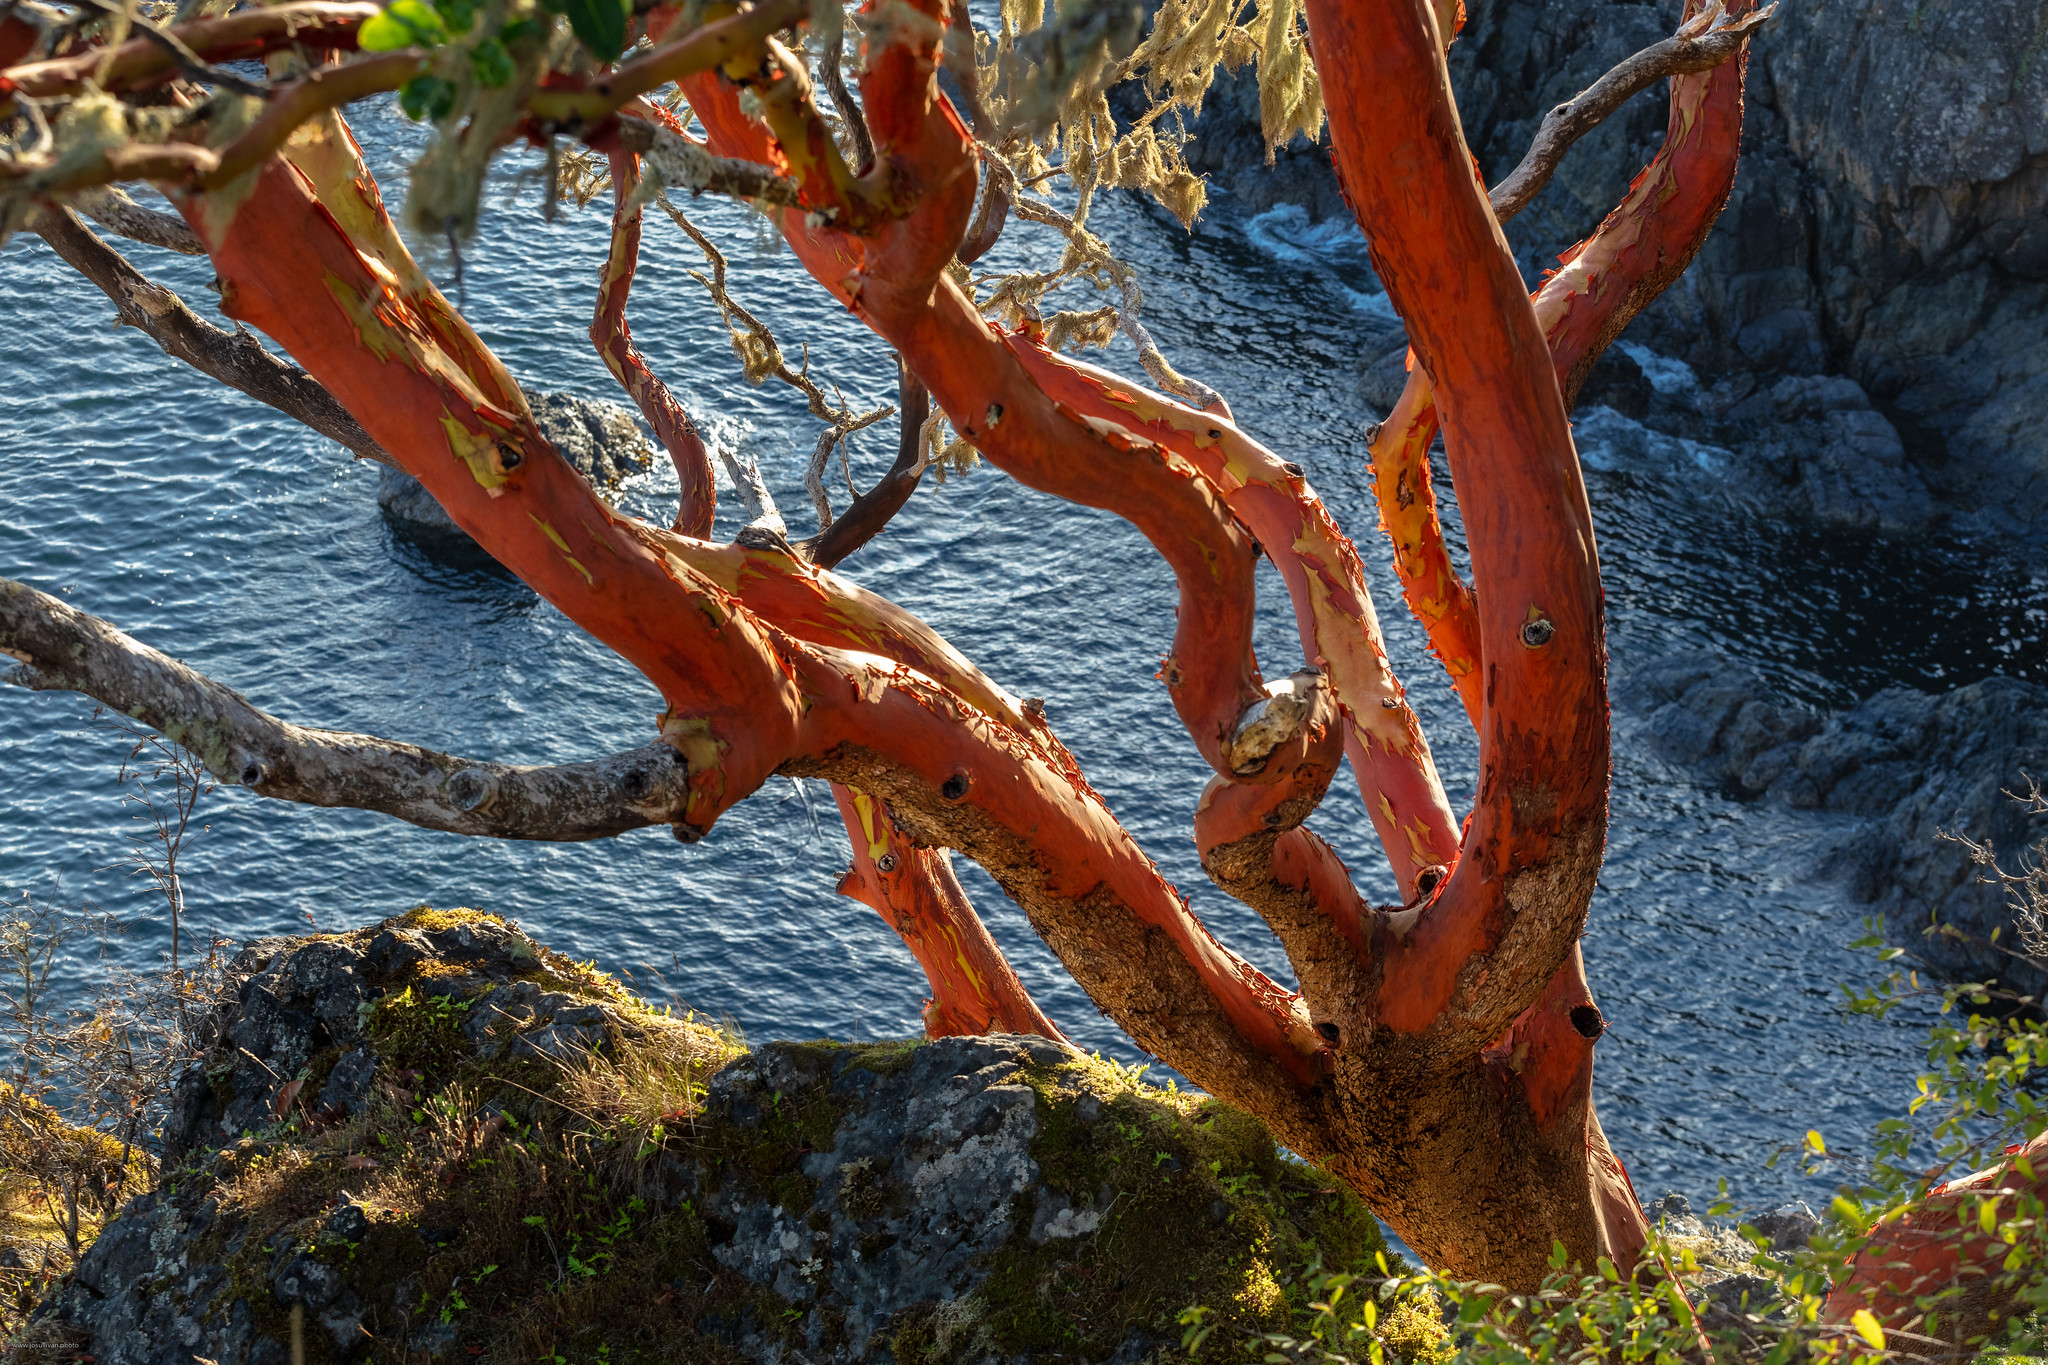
<point>472,789</point>
<point>1294,723</point>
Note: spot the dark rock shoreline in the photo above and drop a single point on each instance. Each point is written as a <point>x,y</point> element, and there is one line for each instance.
<point>1912,767</point>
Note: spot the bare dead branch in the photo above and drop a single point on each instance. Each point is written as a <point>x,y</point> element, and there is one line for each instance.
<point>112,209</point>
<point>190,62</point>
<point>764,519</point>
<point>236,358</point>
<point>1709,39</point>
<point>678,162</point>
<point>872,510</point>
<point>61,648</point>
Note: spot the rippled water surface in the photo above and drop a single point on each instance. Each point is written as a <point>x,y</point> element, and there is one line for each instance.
<point>217,530</point>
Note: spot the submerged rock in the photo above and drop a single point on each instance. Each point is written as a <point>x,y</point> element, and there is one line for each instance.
<point>1914,766</point>
<point>603,441</point>
<point>487,1151</point>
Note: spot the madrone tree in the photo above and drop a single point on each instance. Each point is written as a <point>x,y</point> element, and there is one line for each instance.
<point>1439,1053</point>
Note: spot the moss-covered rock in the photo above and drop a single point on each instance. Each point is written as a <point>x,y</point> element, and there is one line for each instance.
<point>435,1137</point>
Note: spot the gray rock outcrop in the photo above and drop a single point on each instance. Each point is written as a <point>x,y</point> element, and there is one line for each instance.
<point>603,440</point>
<point>1910,765</point>
<point>434,1137</point>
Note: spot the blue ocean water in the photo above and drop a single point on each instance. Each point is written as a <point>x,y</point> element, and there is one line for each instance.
<point>221,532</point>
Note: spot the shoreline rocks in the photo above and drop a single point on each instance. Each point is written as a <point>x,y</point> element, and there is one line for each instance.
<point>1913,767</point>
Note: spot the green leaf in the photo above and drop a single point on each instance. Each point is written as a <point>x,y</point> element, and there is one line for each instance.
<point>460,14</point>
<point>404,23</point>
<point>493,64</point>
<point>427,97</point>
<point>599,24</point>
<point>519,30</point>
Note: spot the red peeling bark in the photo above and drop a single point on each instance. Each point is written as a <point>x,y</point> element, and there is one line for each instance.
<point>913,889</point>
<point>1639,250</point>
<point>745,697</point>
<point>1936,1270</point>
<point>614,341</point>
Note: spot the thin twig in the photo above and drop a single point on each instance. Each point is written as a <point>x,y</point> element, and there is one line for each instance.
<point>190,62</point>
<point>1702,43</point>
<point>763,356</point>
<point>1089,252</point>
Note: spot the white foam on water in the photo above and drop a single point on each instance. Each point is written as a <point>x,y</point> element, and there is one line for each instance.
<point>1668,376</point>
<point>1614,444</point>
<point>1334,247</point>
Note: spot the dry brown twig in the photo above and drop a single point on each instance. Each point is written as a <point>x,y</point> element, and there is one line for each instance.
<point>760,357</point>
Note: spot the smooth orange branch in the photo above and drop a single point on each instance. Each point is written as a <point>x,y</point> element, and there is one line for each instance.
<point>1547,1056</point>
<point>315,25</point>
<point>913,889</point>
<point>1436,596</point>
<point>387,345</point>
<point>822,608</point>
<point>891,278</point>
<point>1487,946</point>
<point>745,697</point>
<point>1637,252</point>
<point>614,341</point>
<point>1333,608</point>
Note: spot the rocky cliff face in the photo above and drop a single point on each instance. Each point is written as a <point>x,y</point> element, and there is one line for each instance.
<point>1912,767</point>
<point>1889,223</point>
<point>435,1139</point>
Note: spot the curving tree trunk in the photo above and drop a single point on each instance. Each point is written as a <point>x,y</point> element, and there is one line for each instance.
<point>1439,1052</point>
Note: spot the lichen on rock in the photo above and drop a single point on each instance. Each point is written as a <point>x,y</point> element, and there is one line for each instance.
<point>434,1137</point>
